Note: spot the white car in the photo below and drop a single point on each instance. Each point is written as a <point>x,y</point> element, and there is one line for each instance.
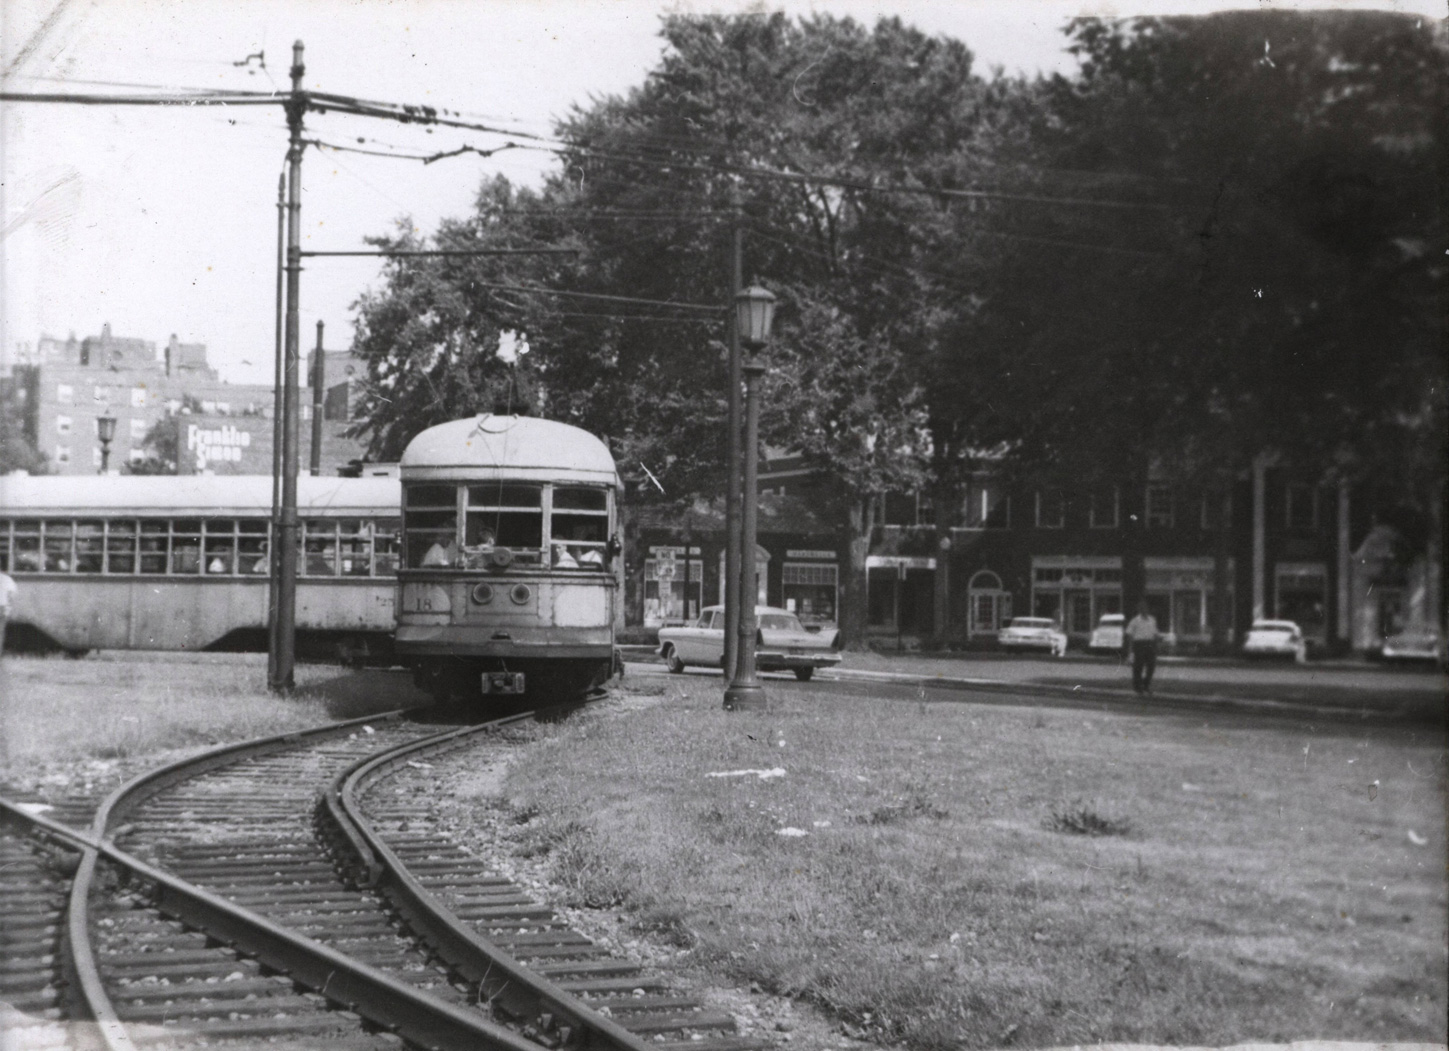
<point>1412,644</point>
<point>1033,633</point>
<point>782,643</point>
<point>1275,638</point>
<point>1108,634</point>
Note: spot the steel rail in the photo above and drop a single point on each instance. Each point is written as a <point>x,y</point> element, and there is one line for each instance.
<point>507,983</point>
<point>412,1014</point>
<point>79,963</point>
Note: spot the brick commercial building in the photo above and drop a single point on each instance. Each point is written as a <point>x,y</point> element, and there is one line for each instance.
<point>63,387</point>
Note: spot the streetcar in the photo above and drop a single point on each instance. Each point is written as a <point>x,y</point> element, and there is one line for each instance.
<point>166,562</point>
<point>508,581</point>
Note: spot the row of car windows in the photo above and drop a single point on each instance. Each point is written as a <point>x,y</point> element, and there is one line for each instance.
<point>564,527</point>
<point>356,547</point>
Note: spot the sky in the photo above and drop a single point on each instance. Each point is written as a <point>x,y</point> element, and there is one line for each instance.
<point>164,220</point>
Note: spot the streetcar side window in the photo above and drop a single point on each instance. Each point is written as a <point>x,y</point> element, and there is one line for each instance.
<point>5,565</point>
<point>121,546</point>
<point>252,546</point>
<point>220,546</point>
<point>505,514</point>
<point>430,526</point>
<point>90,546</point>
<point>154,545</point>
<point>186,546</point>
<point>579,528</point>
<point>25,552</point>
<point>385,546</point>
<point>59,557</point>
<point>319,546</point>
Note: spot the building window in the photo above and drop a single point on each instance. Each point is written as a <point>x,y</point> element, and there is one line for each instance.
<point>95,455</point>
<point>1050,509</point>
<point>1104,510</point>
<point>987,506</point>
<point>905,509</point>
<point>64,393</point>
<point>62,454</point>
<point>1300,503</point>
<point>1302,596</point>
<point>63,425</point>
<point>1217,511</point>
<point>138,397</point>
<point>138,429</point>
<point>1159,507</point>
<point>136,455</point>
<point>811,590</point>
<point>664,588</point>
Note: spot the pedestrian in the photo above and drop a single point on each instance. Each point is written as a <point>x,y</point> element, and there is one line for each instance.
<point>1141,636</point>
<point>7,593</point>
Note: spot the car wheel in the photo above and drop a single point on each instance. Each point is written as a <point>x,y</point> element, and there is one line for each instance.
<point>671,658</point>
<point>803,674</point>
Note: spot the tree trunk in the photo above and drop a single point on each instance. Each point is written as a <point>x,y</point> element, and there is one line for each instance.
<point>860,524</point>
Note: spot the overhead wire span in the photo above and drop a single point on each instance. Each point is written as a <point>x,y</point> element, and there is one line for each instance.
<point>600,297</point>
<point>433,115</point>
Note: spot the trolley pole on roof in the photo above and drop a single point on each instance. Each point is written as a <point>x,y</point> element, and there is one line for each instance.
<point>283,677</point>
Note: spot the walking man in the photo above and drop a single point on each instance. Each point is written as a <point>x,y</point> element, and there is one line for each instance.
<point>1141,636</point>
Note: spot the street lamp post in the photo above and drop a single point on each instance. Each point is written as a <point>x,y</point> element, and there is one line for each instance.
<point>106,432</point>
<point>754,313</point>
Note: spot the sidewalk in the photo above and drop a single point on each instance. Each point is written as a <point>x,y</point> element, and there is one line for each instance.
<point>1336,688</point>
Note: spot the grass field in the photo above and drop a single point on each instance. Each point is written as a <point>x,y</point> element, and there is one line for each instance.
<point>945,875</point>
<point>123,706</point>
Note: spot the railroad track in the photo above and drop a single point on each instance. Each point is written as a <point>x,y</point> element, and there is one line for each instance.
<point>245,897</point>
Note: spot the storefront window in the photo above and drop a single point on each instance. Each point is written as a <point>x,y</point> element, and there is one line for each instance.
<point>811,590</point>
<point>1302,591</point>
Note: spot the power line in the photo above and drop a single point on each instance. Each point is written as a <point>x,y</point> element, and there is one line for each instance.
<point>600,297</point>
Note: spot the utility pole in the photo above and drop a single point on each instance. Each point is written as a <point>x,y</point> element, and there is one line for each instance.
<point>274,565</point>
<point>732,453</point>
<point>319,373</point>
<point>284,679</point>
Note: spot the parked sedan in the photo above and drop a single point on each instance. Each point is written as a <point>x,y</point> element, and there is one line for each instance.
<point>1108,635</point>
<point>1275,638</point>
<point>1033,633</point>
<point>1412,644</point>
<point>782,643</point>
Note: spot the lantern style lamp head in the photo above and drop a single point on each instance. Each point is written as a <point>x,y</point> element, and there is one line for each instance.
<point>754,314</point>
<point>106,431</point>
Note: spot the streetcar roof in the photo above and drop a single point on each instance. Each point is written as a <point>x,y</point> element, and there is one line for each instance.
<point>201,495</point>
<point>523,446</point>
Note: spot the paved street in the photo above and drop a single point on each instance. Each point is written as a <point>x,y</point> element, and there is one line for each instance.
<point>1402,693</point>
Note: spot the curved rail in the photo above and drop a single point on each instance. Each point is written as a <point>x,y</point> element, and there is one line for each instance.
<point>507,983</point>
<point>411,1013</point>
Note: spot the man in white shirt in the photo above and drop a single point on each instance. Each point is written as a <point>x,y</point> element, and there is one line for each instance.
<point>1140,636</point>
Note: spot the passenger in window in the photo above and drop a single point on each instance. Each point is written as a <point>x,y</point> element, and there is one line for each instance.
<point>562,559</point>
<point>476,554</point>
<point>440,555</point>
<point>218,565</point>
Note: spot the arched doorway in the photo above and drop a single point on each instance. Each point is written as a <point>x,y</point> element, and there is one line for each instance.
<point>988,604</point>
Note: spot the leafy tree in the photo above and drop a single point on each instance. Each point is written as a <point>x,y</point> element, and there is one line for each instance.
<point>161,448</point>
<point>17,451</point>
<point>1273,287</point>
